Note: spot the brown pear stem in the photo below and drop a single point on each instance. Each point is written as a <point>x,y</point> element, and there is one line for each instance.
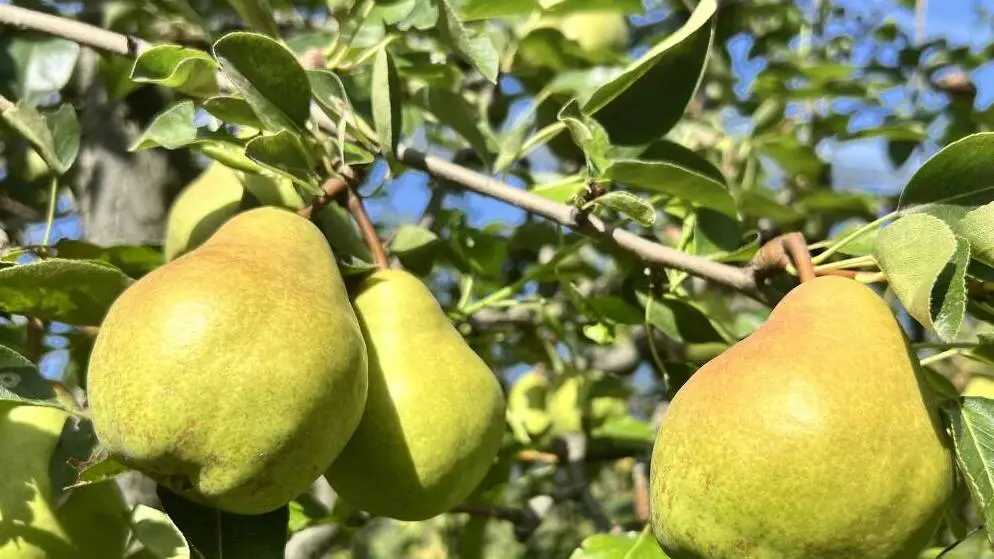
<point>640,480</point>
<point>358,211</point>
<point>780,252</point>
<point>330,190</point>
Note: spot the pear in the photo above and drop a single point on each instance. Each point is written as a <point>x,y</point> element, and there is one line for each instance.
<point>981,386</point>
<point>814,437</point>
<point>596,30</point>
<point>434,418</point>
<point>234,374</point>
<point>216,195</point>
<point>91,523</point>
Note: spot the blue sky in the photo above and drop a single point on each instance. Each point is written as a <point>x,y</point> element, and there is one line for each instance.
<point>859,165</point>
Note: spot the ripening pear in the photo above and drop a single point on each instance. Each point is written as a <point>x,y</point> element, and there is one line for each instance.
<point>596,30</point>
<point>91,523</point>
<point>211,199</point>
<point>434,418</point>
<point>236,373</point>
<point>981,386</point>
<point>815,437</point>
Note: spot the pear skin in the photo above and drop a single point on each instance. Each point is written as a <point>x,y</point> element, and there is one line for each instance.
<point>236,373</point>
<point>92,523</point>
<point>434,418</point>
<point>814,437</point>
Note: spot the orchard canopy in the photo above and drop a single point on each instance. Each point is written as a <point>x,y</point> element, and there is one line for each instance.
<point>601,196</point>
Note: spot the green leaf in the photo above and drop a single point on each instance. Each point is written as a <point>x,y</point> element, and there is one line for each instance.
<point>76,292</point>
<point>133,260</point>
<point>587,134</point>
<point>387,102</point>
<point>680,320</point>
<point>20,381</point>
<point>100,466</point>
<point>640,545</point>
<point>284,153</point>
<point>409,238</point>
<point>660,177</point>
<point>628,204</point>
<point>560,190</point>
<point>258,14</point>
<point>186,69</point>
<point>173,128</point>
<point>233,110</point>
<point>478,50</point>
<point>971,421</point>
<point>36,66</point>
<point>925,264</point>
<point>454,111</point>
<point>961,174</point>
<point>719,237</point>
<point>649,97</point>
<point>627,429</point>
<point>268,76</point>
<point>329,93</point>
<point>599,333</point>
<point>158,533</point>
<point>54,134</point>
<point>215,534</point>
<point>977,227</point>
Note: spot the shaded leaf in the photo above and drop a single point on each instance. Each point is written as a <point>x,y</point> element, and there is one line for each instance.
<point>284,153</point>
<point>36,66</point>
<point>20,381</point>
<point>71,291</point>
<point>971,421</point>
<point>158,533</point>
<point>648,98</point>
<point>214,534</point>
<point>233,110</point>
<point>454,111</point>
<point>133,260</point>
<point>54,134</point>
<point>587,134</point>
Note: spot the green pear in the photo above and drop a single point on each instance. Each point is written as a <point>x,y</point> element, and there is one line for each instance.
<point>980,386</point>
<point>91,523</point>
<point>596,30</point>
<point>434,418</point>
<point>592,397</point>
<point>236,373</point>
<point>216,195</point>
<point>527,403</point>
<point>814,437</point>
<point>211,199</point>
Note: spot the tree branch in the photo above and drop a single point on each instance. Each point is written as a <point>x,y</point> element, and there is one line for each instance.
<point>73,30</point>
<point>741,279</point>
<point>369,235</point>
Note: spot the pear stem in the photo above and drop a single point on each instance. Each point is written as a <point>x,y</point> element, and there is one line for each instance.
<point>330,190</point>
<point>783,251</point>
<point>358,211</point>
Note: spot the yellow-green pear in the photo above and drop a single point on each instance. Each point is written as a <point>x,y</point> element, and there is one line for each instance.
<point>211,199</point>
<point>434,418</point>
<point>596,30</point>
<point>980,386</point>
<point>813,438</point>
<point>527,405</point>
<point>236,373</point>
<point>90,523</point>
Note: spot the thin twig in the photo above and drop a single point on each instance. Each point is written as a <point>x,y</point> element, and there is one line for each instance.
<point>369,235</point>
<point>73,30</point>
<point>330,190</point>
